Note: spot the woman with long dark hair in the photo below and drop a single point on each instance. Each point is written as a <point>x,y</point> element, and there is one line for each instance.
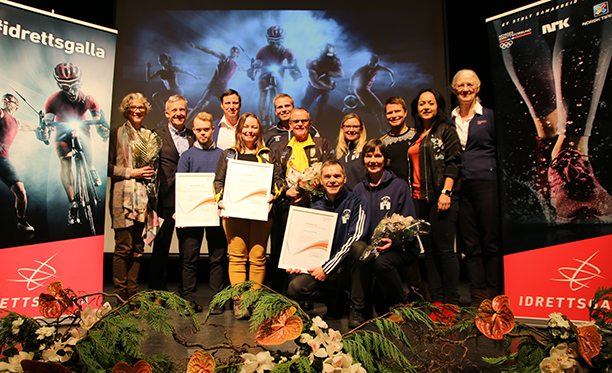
<point>435,161</point>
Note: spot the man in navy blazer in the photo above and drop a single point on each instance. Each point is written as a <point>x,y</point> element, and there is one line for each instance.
<point>176,140</point>
<point>224,135</point>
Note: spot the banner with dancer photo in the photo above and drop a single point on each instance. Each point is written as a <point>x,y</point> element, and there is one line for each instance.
<point>550,64</point>
<point>56,88</point>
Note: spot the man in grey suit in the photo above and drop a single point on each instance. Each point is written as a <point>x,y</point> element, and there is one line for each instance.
<point>176,140</point>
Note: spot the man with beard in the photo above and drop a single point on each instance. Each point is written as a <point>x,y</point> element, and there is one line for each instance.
<point>176,140</point>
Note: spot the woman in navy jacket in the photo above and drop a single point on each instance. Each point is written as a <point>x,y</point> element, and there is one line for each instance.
<point>387,194</point>
<point>478,227</point>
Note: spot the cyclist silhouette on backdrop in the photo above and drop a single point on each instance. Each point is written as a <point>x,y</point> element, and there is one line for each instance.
<point>65,115</point>
<point>268,62</point>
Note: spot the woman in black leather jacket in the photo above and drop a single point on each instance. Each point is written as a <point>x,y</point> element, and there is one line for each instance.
<point>435,161</point>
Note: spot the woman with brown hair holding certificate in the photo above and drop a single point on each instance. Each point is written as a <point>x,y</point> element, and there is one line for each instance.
<point>247,239</point>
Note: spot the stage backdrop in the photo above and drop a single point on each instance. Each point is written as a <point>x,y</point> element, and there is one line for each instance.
<point>33,43</point>
<point>554,120</point>
<point>355,58</point>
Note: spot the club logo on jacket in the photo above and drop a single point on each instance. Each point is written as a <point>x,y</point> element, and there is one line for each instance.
<point>346,216</point>
<point>385,203</point>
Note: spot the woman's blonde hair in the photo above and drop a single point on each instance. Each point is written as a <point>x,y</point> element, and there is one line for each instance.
<point>239,143</point>
<point>342,147</point>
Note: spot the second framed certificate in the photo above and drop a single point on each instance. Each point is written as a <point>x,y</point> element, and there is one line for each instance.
<point>308,238</point>
<point>195,200</point>
<point>247,189</point>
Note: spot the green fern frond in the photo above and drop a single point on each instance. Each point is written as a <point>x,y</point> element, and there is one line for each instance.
<point>264,302</point>
<point>376,347</point>
<point>385,326</point>
<point>415,314</point>
<point>359,353</point>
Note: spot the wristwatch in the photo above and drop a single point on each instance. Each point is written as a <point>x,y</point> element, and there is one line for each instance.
<point>447,192</point>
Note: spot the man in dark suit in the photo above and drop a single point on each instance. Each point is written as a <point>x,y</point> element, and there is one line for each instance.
<point>176,140</point>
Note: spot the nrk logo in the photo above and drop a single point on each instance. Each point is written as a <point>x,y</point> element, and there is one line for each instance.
<point>601,9</point>
<point>558,25</point>
<point>579,276</point>
<point>35,278</point>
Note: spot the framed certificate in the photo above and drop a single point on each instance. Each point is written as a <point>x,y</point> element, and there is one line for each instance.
<point>247,189</point>
<point>308,238</point>
<point>195,200</point>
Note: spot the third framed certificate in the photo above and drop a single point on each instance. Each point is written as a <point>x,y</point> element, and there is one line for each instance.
<point>308,238</point>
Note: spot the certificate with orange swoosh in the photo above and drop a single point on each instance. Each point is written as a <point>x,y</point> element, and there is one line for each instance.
<point>308,238</point>
<point>195,200</point>
<point>247,189</point>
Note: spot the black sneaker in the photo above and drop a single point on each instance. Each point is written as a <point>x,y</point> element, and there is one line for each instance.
<point>73,214</point>
<point>196,308</point>
<point>217,310</point>
<point>356,318</point>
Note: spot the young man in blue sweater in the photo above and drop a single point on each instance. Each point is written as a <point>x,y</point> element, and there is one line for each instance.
<point>201,157</point>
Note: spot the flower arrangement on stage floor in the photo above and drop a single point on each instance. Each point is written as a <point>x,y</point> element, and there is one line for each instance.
<point>81,335</point>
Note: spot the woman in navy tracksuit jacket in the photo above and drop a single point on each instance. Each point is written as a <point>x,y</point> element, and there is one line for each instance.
<point>387,194</point>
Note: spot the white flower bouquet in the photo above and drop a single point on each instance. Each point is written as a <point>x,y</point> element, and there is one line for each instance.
<point>395,227</point>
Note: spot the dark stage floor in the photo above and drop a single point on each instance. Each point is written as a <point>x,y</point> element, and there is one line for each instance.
<point>219,327</point>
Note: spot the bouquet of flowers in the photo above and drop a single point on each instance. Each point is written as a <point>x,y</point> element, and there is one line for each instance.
<point>309,181</point>
<point>395,227</point>
<point>146,147</point>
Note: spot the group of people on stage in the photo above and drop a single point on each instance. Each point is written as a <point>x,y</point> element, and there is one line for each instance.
<point>437,168</point>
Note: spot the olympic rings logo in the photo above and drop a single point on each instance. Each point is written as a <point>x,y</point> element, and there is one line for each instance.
<point>506,44</point>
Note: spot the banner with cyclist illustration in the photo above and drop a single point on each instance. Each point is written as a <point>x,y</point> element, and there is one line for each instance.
<point>56,88</point>
<point>553,90</point>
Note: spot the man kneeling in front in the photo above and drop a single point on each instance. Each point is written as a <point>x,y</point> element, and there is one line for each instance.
<point>343,270</point>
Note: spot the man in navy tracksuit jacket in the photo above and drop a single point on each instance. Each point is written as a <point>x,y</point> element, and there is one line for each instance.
<point>325,283</point>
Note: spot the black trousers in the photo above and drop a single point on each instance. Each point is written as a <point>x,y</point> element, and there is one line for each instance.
<point>158,271</point>
<point>478,233</point>
<point>190,241</point>
<point>354,275</point>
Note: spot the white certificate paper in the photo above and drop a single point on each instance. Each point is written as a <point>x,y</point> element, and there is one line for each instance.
<point>247,189</point>
<point>308,238</point>
<point>195,200</point>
